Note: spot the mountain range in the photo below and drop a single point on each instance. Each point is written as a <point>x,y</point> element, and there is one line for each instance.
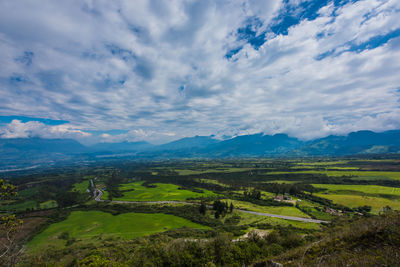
<point>22,152</point>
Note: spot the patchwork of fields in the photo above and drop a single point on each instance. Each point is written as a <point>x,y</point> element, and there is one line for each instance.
<point>231,183</point>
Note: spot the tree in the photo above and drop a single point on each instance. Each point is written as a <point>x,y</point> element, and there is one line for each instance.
<point>9,226</point>
<point>231,208</point>
<point>203,208</point>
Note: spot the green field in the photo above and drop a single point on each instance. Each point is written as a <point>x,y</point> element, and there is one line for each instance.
<point>354,201</point>
<point>81,187</point>
<point>371,190</point>
<point>246,219</point>
<point>19,206</point>
<point>223,170</point>
<point>279,210</point>
<point>358,175</point>
<point>136,192</point>
<point>359,195</point>
<point>89,225</point>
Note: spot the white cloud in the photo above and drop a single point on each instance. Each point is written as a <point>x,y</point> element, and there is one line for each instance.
<point>119,65</point>
<point>18,129</point>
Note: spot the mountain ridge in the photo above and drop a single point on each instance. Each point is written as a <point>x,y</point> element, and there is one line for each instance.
<point>28,150</point>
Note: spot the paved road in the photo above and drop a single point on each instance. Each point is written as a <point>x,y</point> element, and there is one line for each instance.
<point>98,193</point>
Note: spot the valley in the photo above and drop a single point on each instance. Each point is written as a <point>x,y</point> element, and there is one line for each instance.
<point>131,203</point>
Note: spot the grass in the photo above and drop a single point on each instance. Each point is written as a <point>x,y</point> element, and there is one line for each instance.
<point>371,190</point>
<point>247,219</point>
<point>359,195</point>
<point>315,210</point>
<point>30,204</point>
<point>359,175</point>
<point>21,206</point>
<point>224,170</point>
<point>323,163</point>
<point>279,210</point>
<point>90,225</point>
<point>354,201</point>
<point>48,204</point>
<point>136,192</point>
<point>81,187</point>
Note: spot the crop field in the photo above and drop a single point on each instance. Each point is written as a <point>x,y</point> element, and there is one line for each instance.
<point>279,210</point>
<point>90,225</point>
<point>136,192</point>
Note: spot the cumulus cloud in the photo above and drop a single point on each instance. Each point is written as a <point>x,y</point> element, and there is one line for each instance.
<point>167,69</point>
<point>18,129</point>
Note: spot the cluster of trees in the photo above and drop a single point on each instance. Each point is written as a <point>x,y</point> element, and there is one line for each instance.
<point>221,208</point>
<point>253,194</point>
<point>112,185</point>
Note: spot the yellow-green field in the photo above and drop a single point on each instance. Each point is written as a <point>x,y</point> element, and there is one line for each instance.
<point>361,189</point>
<point>161,192</point>
<point>190,172</point>
<point>364,175</point>
<point>360,195</point>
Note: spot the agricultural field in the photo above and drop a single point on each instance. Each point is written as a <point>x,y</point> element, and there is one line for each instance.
<point>278,210</point>
<point>377,197</point>
<point>356,175</point>
<point>210,170</point>
<point>88,226</point>
<point>365,190</point>
<point>137,192</point>
<point>256,221</point>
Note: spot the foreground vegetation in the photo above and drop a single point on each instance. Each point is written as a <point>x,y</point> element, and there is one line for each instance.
<point>211,225</point>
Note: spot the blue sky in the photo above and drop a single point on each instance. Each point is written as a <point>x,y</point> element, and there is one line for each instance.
<point>109,71</point>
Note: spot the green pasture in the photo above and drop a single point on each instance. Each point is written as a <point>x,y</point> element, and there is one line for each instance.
<point>279,210</point>
<point>371,190</point>
<point>254,220</point>
<point>81,187</point>
<point>90,225</point>
<point>324,163</point>
<point>360,195</point>
<point>354,201</point>
<point>48,204</point>
<point>201,171</point>
<point>358,175</point>
<point>19,206</point>
<point>136,192</point>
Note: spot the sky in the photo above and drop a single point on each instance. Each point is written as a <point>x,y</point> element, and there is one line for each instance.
<point>122,70</point>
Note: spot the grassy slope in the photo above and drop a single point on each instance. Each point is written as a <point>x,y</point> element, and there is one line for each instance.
<point>86,225</point>
<point>371,241</point>
<point>159,193</point>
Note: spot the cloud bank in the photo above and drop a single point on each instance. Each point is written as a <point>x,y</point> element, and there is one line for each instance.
<point>161,70</point>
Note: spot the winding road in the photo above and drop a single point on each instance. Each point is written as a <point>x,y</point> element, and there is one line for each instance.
<point>98,194</point>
